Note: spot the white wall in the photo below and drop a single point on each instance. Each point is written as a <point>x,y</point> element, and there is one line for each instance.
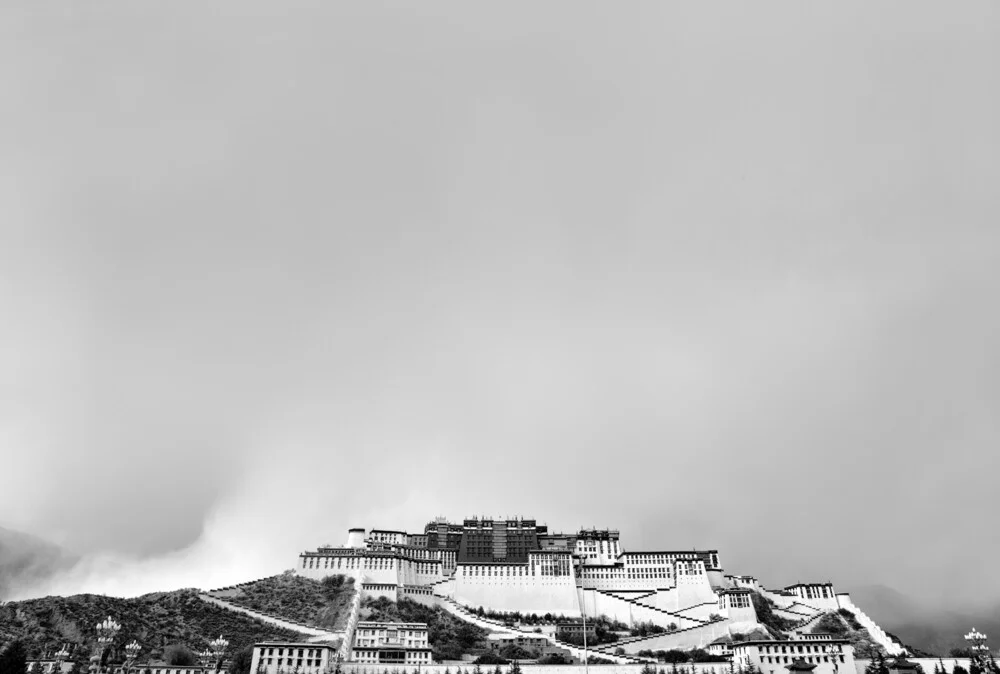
<point>527,594</point>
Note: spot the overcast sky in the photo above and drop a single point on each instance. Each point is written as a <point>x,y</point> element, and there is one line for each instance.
<point>717,274</point>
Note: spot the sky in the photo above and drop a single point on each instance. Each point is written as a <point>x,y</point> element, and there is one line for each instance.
<point>715,274</point>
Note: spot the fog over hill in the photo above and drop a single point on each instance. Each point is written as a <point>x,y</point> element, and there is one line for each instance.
<point>28,561</point>
<point>925,625</point>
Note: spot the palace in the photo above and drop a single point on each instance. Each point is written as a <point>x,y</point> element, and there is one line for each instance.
<point>518,565</point>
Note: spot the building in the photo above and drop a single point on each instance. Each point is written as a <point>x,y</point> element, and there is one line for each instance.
<point>272,657</point>
<point>575,631</point>
<point>498,641</point>
<point>48,666</point>
<point>722,647</point>
<point>827,654</point>
<point>598,546</point>
<point>518,566</point>
<point>442,535</point>
<point>485,541</point>
<point>391,643</point>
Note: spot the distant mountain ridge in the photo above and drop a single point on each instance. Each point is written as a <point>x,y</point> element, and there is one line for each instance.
<point>26,560</point>
<point>929,628</point>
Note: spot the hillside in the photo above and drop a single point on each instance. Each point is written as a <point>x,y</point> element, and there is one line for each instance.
<point>324,603</point>
<point>154,620</point>
<point>27,560</point>
<point>926,626</point>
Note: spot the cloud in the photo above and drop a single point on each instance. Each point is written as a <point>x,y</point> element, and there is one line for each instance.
<point>716,279</point>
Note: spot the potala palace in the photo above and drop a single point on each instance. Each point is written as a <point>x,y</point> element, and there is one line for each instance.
<point>517,565</point>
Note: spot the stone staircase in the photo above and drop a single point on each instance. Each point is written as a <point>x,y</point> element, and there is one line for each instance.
<point>315,634</point>
<point>639,601</point>
<point>459,611</point>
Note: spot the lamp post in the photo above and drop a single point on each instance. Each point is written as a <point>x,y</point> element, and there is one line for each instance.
<point>60,655</point>
<point>218,649</point>
<point>980,652</point>
<point>131,653</point>
<point>835,651</point>
<point>206,658</point>
<point>107,630</point>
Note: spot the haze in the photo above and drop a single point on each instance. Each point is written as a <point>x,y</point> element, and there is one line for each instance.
<point>716,274</point>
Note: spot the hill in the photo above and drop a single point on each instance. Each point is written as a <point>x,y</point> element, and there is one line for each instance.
<point>322,603</point>
<point>927,627</point>
<point>26,560</point>
<point>154,620</point>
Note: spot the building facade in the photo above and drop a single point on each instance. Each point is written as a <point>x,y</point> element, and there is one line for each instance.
<point>283,657</point>
<point>829,655</point>
<point>391,643</point>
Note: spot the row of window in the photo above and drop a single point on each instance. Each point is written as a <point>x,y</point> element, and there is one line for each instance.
<point>392,633</point>
<point>735,601</point>
<point>293,662</point>
<point>791,649</point>
<point>302,652</point>
<point>367,563</point>
<point>783,659</point>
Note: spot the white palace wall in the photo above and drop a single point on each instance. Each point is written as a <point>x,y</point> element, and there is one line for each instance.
<point>695,637</point>
<point>510,587</point>
<point>598,603</point>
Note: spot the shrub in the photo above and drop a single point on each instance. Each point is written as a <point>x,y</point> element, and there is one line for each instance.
<point>242,660</point>
<point>180,655</point>
<point>490,658</point>
<point>13,658</point>
<point>560,659</point>
<point>831,623</point>
<point>851,619</point>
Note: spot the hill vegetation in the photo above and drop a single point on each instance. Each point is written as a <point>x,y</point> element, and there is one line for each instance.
<point>156,621</point>
<point>323,603</point>
<point>843,624</point>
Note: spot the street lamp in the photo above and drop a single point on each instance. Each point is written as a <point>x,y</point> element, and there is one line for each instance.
<point>206,658</point>
<point>131,653</point>
<point>980,652</point>
<point>835,651</point>
<point>60,655</point>
<point>218,648</point>
<point>107,630</point>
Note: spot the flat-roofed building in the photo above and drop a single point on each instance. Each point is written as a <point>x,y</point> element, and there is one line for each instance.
<point>271,657</point>
<point>828,654</point>
<point>391,643</point>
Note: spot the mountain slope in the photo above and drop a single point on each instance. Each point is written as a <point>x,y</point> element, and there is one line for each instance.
<point>927,627</point>
<point>154,620</point>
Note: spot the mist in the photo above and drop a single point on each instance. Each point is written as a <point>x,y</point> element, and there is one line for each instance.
<point>716,276</point>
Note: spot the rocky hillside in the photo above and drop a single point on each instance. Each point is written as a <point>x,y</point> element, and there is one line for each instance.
<point>154,620</point>
<point>324,603</point>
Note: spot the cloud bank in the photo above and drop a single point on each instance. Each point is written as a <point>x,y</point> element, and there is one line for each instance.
<point>716,277</point>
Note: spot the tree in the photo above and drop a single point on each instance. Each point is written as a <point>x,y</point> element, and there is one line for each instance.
<point>515,668</point>
<point>959,669</point>
<point>242,660</point>
<point>180,655</point>
<point>674,656</point>
<point>13,658</point>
